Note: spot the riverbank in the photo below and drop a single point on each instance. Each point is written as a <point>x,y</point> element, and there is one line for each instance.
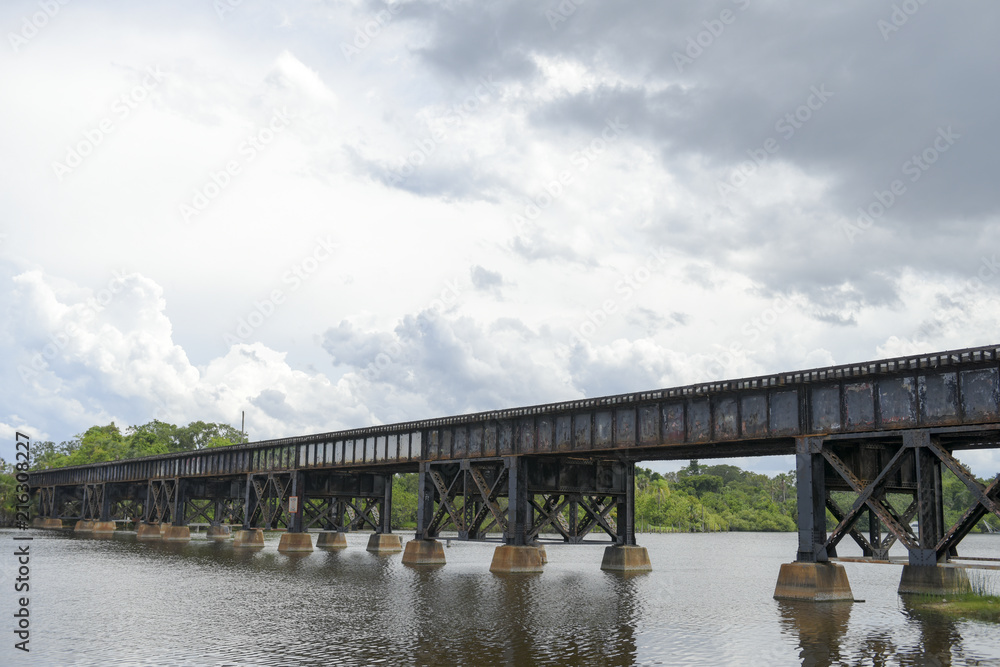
<point>961,606</point>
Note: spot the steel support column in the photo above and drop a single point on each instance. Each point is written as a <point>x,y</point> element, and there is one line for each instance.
<point>810,478</point>
<point>517,501</point>
<point>298,491</point>
<point>930,503</point>
<point>179,514</point>
<point>385,510</point>
<point>425,503</point>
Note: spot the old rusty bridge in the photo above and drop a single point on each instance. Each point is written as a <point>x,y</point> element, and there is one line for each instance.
<point>566,470</point>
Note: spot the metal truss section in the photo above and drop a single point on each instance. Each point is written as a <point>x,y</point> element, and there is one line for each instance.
<point>873,497</point>
<point>199,508</point>
<point>573,515</point>
<point>47,501</point>
<point>468,495</point>
<point>126,509</point>
<point>229,510</point>
<point>525,498</point>
<point>910,466</point>
<point>161,501</point>
<point>267,500</point>
<point>93,501</point>
<point>987,500</point>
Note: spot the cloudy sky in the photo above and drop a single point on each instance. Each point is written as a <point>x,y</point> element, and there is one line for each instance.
<point>334,214</point>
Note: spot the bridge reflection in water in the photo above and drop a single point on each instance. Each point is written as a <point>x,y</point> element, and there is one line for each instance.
<point>567,469</point>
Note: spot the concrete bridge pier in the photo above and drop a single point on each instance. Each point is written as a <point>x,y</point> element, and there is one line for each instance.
<point>248,538</point>
<point>296,540</point>
<point>83,526</point>
<point>423,549</point>
<point>625,555</point>
<point>626,558</point>
<point>331,541</point>
<point>147,531</point>
<point>519,555</point>
<point>103,528</point>
<point>218,532</point>
<point>175,532</point>
<point>812,577</point>
<point>423,552</point>
<point>383,541</point>
<point>933,580</point>
<point>295,543</point>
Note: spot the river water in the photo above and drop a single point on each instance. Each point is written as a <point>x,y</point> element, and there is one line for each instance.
<point>708,602</point>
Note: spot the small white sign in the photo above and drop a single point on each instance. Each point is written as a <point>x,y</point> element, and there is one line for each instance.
<point>293,504</point>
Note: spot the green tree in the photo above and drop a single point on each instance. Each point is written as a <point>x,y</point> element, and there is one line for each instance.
<point>202,435</point>
<point>98,444</point>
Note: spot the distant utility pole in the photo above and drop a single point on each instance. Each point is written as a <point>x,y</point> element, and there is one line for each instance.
<point>243,425</point>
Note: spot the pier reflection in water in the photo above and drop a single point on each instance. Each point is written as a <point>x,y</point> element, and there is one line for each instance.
<point>708,601</point>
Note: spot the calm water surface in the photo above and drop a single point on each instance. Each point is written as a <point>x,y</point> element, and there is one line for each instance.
<point>707,602</point>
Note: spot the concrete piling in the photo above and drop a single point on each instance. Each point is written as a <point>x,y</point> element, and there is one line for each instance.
<point>295,543</point>
<point>818,582</point>
<point>423,552</point>
<point>933,580</point>
<point>331,541</point>
<point>249,539</point>
<point>511,559</point>
<point>385,543</point>
<point>626,558</point>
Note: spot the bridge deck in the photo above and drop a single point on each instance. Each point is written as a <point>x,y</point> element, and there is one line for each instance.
<point>747,417</point>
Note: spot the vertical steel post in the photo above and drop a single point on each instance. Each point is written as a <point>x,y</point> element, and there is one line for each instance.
<point>425,502</point>
<point>298,490</point>
<point>626,518</point>
<point>178,514</point>
<point>811,483</point>
<point>249,503</point>
<point>105,503</point>
<point>147,503</point>
<point>517,500</point>
<point>385,511</point>
<point>930,504</point>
